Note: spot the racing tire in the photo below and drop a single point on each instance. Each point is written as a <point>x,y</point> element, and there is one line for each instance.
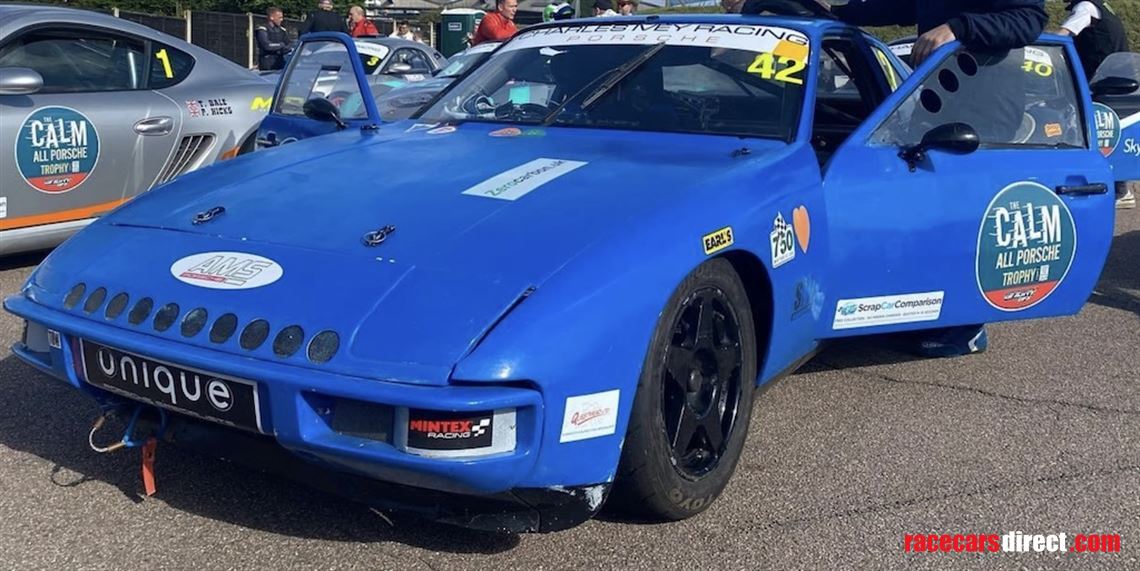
<point>699,376</point>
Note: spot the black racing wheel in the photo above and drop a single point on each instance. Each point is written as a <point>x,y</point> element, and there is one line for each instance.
<point>694,399</point>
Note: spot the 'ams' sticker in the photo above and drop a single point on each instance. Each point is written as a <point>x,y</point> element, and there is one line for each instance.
<point>226,270</point>
<point>1025,246</point>
<point>521,180</point>
<point>718,240</point>
<point>57,149</point>
<point>1106,128</point>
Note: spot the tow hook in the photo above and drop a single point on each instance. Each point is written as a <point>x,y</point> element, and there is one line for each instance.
<point>149,444</point>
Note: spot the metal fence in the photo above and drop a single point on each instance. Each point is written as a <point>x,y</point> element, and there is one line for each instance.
<point>167,24</point>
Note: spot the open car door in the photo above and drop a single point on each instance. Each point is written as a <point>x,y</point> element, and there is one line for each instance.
<point>323,90</point>
<point>973,194</point>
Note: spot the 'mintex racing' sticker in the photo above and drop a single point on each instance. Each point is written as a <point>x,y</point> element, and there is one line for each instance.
<point>1026,245</point>
<point>57,149</point>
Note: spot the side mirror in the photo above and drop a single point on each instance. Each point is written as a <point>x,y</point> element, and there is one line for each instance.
<point>400,68</point>
<point>321,109</point>
<point>956,138</point>
<point>20,81</point>
<point>1114,86</point>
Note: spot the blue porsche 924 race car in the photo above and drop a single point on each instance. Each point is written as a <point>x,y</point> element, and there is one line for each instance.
<point>637,223</point>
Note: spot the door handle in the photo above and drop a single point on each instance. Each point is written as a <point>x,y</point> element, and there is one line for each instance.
<point>155,126</point>
<point>1082,189</point>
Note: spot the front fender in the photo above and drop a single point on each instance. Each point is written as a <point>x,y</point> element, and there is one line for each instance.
<point>588,328</point>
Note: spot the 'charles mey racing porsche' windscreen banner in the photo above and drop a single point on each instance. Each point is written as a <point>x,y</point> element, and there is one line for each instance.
<point>765,39</point>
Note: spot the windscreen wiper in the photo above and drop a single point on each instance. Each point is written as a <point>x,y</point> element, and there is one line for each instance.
<point>614,76</point>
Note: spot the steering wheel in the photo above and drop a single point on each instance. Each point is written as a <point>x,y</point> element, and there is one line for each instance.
<point>521,111</point>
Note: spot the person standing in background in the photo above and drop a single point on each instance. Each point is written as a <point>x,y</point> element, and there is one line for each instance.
<point>360,26</point>
<point>498,25</point>
<point>403,31</point>
<point>272,41</point>
<point>323,19</point>
<point>1098,33</point>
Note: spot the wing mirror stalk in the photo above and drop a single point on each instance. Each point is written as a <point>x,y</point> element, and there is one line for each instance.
<point>956,138</point>
<point>321,109</point>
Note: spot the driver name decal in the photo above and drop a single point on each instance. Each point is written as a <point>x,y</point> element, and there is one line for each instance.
<point>521,180</point>
<point>57,149</point>
<point>1026,245</point>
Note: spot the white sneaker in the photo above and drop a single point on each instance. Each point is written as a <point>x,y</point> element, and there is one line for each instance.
<point>1128,200</point>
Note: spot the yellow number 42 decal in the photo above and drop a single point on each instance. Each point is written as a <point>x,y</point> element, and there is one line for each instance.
<point>765,65</point>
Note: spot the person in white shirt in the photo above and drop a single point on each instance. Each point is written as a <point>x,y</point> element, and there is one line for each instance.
<point>403,30</point>
<point>1097,33</point>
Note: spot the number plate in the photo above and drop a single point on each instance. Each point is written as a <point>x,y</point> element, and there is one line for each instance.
<point>205,395</point>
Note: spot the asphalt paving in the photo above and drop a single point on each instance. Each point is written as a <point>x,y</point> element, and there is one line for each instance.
<point>1041,434</point>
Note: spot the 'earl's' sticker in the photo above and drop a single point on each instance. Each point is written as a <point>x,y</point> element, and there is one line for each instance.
<point>1026,246</point>
<point>718,240</point>
<point>57,149</point>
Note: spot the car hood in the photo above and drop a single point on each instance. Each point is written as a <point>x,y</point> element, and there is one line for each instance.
<point>471,221</point>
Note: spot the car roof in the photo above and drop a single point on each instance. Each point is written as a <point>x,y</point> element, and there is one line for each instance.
<point>393,42</point>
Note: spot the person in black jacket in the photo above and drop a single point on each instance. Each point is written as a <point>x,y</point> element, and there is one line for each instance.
<point>1097,32</point>
<point>324,20</point>
<point>991,25</point>
<point>272,42</point>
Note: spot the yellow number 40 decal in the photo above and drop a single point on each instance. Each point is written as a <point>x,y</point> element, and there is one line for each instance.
<point>766,63</point>
<point>1042,69</point>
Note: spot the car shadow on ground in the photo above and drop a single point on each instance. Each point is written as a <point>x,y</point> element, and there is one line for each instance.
<point>52,422</point>
<point>1121,274</point>
<point>28,259</point>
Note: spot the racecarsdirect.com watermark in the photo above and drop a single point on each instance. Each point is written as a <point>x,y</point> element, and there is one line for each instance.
<point>1012,542</point>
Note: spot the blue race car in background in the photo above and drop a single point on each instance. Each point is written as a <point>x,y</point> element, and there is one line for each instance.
<point>642,221</point>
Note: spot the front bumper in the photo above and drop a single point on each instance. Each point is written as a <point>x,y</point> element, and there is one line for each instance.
<point>521,510</point>
<point>295,408</point>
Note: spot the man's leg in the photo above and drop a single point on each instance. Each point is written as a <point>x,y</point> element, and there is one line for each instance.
<point>1125,198</point>
<point>951,341</point>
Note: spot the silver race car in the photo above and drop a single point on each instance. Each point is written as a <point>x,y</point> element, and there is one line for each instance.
<point>95,110</point>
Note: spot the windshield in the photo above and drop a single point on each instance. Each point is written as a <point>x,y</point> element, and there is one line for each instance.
<point>371,55</point>
<point>743,80</point>
<point>461,62</point>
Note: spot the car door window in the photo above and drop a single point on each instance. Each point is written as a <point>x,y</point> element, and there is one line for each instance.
<point>79,60</point>
<point>1024,97</point>
<point>845,95</point>
<point>894,78</point>
<point>321,69</point>
<point>412,57</point>
<point>168,66</point>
